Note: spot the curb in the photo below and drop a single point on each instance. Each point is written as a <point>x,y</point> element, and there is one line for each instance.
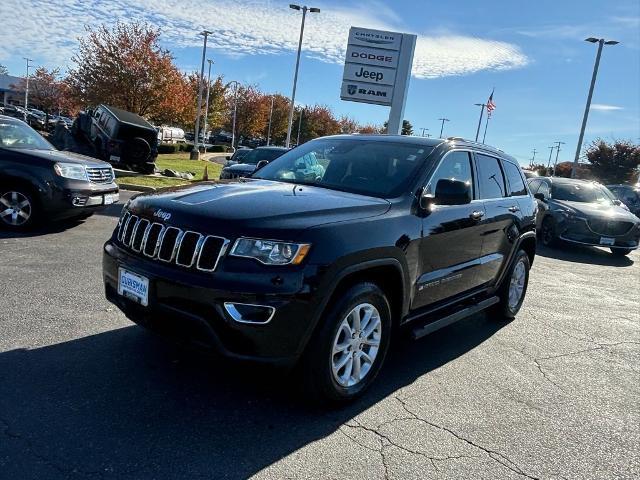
<point>136,188</point>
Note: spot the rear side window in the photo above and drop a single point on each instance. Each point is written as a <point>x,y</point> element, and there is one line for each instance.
<point>516,184</point>
<point>534,185</point>
<point>544,189</point>
<point>490,177</point>
<point>455,166</point>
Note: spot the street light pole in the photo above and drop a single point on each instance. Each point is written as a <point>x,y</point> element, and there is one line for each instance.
<point>555,165</point>
<point>304,9</point>
<point>26,90</point>
<point>601,43</point>
<point>550,153</point>
<point>534,156</point>
<point>299,127</point>
<point>206,108</point>
<point>270,117</point>
<point>195,153</point>
<point>482,105</point>
<point>442,126</point>
<point>486,124</point>
<point>235,113</point>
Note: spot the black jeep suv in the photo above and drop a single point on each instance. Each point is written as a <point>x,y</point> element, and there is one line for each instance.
<point>38,182</point>
<point>318,270</point>
<point>119,137</point>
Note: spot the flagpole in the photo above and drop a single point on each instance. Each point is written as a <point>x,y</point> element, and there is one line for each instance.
<point>482,105</point>
<point>485,127</point>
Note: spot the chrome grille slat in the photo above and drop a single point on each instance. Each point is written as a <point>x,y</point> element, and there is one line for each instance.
<point>184,248</point>
<point>100,174</point>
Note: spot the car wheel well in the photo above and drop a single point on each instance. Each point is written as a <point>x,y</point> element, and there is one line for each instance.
<point>529,246</point>
<point>386,277</point>
<point>16,181</point>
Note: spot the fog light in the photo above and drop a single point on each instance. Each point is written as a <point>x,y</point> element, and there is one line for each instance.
<point>250,313</point>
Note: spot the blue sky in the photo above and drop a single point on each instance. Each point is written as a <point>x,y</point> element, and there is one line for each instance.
<point>533,53</point>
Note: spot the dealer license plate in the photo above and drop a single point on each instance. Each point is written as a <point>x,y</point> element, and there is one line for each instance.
<point>133,286</point>
<point>607,241</point>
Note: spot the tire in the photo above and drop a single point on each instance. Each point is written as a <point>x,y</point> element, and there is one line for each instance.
<point>19,208</point>
<point>621,252</point>
<point>137,150</point>
<point>518,275</point>
<point>319,362</point>
<point>146,168</point>
<point>548,235</point>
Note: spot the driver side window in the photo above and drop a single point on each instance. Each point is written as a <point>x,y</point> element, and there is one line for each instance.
<point>455,166</point>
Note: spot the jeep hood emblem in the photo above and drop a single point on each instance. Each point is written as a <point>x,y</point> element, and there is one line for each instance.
<point>162,214</point>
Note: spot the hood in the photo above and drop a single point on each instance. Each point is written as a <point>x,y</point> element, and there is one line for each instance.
<point>241,167</point>
<point>254,207</point>
<point>597,210</point>
<point>63,156</point>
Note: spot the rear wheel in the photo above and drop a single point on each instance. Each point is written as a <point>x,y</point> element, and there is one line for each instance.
<point>621,252</point>
<point>514,287</point>
<point>548,234</point>
<point>18,208</point>
<point>348,351</point>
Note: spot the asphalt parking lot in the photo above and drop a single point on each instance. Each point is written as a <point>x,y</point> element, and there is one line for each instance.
<point>85,393</point>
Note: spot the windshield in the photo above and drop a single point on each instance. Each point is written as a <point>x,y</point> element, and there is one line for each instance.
<point>240,154</point>
<point>581,192</point>
<point>368,167</point>
<point>21,136</point>
<point>254,156</point>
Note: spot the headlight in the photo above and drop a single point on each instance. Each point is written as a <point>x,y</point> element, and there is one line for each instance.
<point>271,252</point>
<point>71,170</point>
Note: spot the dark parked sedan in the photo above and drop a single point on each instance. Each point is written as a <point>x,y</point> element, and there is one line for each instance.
<point>582,212</point>
<point>38,182</point>
<point>250,162</point>
<point>629,195</point>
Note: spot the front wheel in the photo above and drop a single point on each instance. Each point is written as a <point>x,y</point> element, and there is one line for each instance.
<point>18,208</point>
<point>349,349</point>
<point>548,233</point>
<point>514,287</point>
<point>621,252</point>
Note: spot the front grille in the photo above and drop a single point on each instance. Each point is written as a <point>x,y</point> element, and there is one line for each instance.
<point>170,244</point>
<point>611,228</point>
<point>100,174</point>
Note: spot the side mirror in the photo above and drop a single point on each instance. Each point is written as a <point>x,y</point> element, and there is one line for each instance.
<point>539,196</point>
<point>617,203</point>
<point>261,164</point>
<point>452,192</point>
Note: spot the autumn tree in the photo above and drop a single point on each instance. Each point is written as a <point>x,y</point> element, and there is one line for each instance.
<point>317,121</point>
<point>280,118</point>
<point>348,124</point>
<point>615,162</point>
<point>407,128</point>
<point>3,70</point>
<point>218,102</point>
<point>252,113</point>
<point>124,66</point>
<point>371,129</point>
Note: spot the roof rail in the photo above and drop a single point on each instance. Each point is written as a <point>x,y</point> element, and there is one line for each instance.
<point>483,145</point>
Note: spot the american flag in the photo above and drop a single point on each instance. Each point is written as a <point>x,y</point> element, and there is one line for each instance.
<point>491,106</point>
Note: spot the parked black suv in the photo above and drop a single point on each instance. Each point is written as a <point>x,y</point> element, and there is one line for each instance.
<point>248,163</point>
<point>120,137</point>
<point>38,182</point>
<point>287,268</point>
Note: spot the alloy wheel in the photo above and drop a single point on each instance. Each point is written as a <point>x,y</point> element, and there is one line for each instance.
<point>15,208</point>
<point>356,345</point>
<point>517,283</point>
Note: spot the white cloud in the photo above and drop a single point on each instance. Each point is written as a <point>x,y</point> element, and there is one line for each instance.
<point>604,108</point>
<point>48,31</point>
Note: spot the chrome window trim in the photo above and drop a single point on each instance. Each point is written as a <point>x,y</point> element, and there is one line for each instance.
<point>175,246</point>
<point>471,165</point>
<point>223,251</point>
<point>135,232</point>
<point>195,250</point>
<point>146,237</point>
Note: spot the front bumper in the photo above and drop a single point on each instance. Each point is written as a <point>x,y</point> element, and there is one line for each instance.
<point>70,198</point>
<point>577,230</point>
<point>189,307</point>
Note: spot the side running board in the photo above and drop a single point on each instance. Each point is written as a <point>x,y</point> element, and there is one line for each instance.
<point>420,332</point>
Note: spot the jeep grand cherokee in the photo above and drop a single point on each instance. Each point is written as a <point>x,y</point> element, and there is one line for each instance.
<point>317,270</point>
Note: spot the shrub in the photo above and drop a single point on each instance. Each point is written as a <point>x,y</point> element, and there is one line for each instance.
<point>168,148</point>
<point>217,148</point>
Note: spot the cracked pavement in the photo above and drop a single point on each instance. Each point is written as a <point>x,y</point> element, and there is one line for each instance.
<point>85,394</point>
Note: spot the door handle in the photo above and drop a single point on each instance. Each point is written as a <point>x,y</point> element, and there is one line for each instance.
<point>476,215</point>
<point>514,208</point>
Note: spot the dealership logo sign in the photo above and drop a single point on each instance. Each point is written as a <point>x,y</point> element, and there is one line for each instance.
<point>352,89</point>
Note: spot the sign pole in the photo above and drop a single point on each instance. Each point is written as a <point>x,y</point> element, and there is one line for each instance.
<point>405,61</point>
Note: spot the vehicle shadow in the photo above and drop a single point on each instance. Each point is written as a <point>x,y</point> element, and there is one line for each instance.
<point>129,404</point>
<point>583,254</point>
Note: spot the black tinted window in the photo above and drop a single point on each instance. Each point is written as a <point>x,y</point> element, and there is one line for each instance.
<point>490,177</point>
<point>455,166</point>
<point>369,167</point>
<point>516,184</point>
